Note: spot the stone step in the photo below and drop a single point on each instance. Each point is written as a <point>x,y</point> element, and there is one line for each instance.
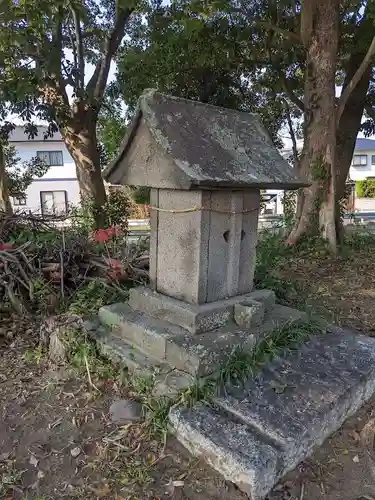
<point>167,381</point>
<point>262,429</point>
<point>175,346</point>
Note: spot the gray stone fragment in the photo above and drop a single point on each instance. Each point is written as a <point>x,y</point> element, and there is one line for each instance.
<point>230,447</point>
<point>125,410</point>
<point>172,383</point>
<point>267,297</point>
<point>249,313</point>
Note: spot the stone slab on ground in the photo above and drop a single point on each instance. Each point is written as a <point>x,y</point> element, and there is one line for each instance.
<point>175,346</point>
<point>292,405</point>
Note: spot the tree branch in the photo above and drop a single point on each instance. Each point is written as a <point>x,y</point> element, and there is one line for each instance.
<point>291,35</point>
<point>355,80</point>
<point>98,81</point>
<point>78,49</point>
<point>292,96</point>
<point>291,132</point>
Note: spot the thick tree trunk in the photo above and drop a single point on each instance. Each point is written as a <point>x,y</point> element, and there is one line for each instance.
<point>320,36</point>
<point>5,204</point>
<point>80,139</point>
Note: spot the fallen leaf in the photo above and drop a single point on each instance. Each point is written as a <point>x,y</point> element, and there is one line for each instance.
<point>101,492</point>
<point>34,461</point>
<point>172,485</point>
<point>75,451</point>
<point>355,436</point>
<point>345,452</point>
<point>41,474</point>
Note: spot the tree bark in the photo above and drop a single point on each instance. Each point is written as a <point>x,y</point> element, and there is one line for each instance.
<point>5,204</point>
<point>81,141</point>
<point>320,36</point>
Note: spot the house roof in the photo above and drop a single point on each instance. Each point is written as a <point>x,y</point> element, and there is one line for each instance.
<point>18,135</point>
<point>204,145</point>
<point>363,144</point>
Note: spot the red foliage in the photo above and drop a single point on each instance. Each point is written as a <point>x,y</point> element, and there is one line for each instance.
<point>6,246</point>
<point>103,235</point>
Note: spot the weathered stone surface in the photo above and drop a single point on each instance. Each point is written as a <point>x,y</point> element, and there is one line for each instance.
<point>229,446</point>
<point>293,405</point>
<point>194,318</point>
<point>175,346</point>
<point>299,399</point>
<point>168,381</point>
<point>124,411</point>
<point>191,247</point>
<point>200,145</point>
<point>249,313</point>
<point>267,297</point>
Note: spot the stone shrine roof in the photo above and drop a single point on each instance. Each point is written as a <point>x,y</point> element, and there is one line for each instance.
<point>182,144</point>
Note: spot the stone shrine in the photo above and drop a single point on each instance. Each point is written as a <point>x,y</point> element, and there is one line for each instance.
<point>206,166</point>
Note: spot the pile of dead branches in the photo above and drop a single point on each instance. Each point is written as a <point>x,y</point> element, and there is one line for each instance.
<point>42,265</point>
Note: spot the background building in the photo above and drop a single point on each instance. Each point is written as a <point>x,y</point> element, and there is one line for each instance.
<point>58,188</point>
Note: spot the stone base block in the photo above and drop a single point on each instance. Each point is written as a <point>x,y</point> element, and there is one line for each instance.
<point>259,431</point>
<point>175,346</point>
<point>167,381</point>
<point>193,318</point>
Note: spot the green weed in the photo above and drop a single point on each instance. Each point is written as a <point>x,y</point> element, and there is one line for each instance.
<point>93,295</point>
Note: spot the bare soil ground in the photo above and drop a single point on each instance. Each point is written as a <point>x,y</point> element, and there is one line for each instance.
<point>56,441</point>
<point>49,414</point>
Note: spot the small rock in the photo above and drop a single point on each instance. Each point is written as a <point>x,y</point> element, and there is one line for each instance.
<point>40,474</point>
<point>75,451</point>
<point>125,410</point>
<point>57,349</point>
<point>356,459</point>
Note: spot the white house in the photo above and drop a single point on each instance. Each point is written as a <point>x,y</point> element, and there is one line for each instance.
<point>58,188</point>
<point>363,162</point>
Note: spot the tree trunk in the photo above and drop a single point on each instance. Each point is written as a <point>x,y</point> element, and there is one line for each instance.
<point>5,204</point>
<point>80,139</point>
<point>320,36</point>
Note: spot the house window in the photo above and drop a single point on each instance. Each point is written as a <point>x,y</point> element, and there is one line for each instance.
<point>52,158</point>
<point>360,160</point>
<point>373,160</point>
<point>19,200</point>
<point>54,202</point>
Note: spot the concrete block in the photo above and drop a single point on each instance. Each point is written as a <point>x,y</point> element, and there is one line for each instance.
<point>228,446</point>
<point>293,404</point>
<point>267,297</point>
<point>249,313</point>
<point>168,381</point>
<point>195,318</point>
